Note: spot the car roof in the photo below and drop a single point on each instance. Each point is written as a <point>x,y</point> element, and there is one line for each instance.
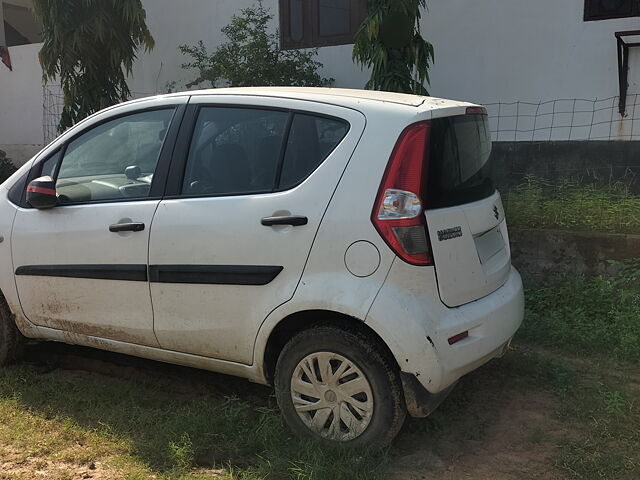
<point>338,96</point>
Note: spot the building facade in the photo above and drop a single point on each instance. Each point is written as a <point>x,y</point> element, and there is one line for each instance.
<point>547,69</point>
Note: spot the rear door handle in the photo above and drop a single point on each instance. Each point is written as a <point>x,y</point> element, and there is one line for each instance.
<point>293,220</point>
<point>127,227</point>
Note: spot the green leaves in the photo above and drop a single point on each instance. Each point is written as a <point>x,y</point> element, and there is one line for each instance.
<point>394,68</point>
<point>89,47</point>
<point>252,56</point>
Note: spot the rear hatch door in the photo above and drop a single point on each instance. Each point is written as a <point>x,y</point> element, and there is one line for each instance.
<point>464,212</point>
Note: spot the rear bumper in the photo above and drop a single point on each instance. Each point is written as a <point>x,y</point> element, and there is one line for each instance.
<point>410,317</point>
<point>491,322</point>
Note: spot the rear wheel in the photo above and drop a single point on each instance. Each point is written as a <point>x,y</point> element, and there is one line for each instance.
<point>339,386</point>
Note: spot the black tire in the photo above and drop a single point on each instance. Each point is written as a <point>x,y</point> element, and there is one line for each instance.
<point>11,339</point>
<point>389,410</point>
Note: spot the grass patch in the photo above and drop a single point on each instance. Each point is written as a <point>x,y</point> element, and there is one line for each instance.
<point>605,410</point>
<point>572,206</point>
<point>143,431</point>
<point>569,387</point>
<point>138,431</point>
<point>599,315</point>
<point>598,321</point>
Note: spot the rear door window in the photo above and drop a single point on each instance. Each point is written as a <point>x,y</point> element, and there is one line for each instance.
<point>236,151</point>
<point>460,167</point>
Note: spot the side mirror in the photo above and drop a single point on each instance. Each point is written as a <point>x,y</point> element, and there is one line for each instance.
<point>41,193</point>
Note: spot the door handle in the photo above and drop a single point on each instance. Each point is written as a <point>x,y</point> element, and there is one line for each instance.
<point>293,220</point>
<point>126,227</point>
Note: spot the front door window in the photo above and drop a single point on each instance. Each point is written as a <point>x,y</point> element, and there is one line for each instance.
<point>115,160</point>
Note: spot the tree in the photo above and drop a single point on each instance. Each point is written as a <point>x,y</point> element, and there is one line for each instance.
<point>389,42</point>
<point>6,166</point>
<point>252,56</point>
<point>89,47</point>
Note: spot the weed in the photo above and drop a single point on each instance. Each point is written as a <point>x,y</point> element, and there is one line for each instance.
<point>598,315</point>
<point>537,203</point>
<point>181,453</point>
<point>606,438</point>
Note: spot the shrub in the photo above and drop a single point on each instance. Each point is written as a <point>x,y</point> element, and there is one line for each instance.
<point>252,56</point>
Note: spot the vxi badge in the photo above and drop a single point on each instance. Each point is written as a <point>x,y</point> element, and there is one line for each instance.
<point>449,233</point>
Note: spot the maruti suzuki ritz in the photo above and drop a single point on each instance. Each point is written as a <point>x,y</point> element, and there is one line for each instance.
<point>348,247</point>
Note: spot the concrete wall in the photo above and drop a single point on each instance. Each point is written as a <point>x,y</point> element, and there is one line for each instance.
<point>541,255</point>
<point>489,51</point>
<point>595,162</point>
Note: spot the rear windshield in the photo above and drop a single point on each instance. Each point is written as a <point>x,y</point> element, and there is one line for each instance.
<point>460,167</point>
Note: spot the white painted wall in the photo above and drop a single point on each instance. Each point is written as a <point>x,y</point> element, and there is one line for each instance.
<point>489,51</point>
<point>188,21</point>
<point>506,50</point>
<point>486,52</point>
<point>21,132</point>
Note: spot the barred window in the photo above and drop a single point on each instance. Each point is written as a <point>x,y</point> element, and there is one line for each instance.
<point>606,9</point>
<point>319,23</point>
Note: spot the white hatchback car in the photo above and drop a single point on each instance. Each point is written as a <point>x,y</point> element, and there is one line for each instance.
<point>347,246</point>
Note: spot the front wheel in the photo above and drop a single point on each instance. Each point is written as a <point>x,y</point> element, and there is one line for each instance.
<point>10,338</point>
<point>339,386</point>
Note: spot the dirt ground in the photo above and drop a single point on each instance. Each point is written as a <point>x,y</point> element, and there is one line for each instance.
<point>517,444</point>
<point>15,466</point>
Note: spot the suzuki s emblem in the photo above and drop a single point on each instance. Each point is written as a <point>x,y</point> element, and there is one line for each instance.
<point>496,212</point>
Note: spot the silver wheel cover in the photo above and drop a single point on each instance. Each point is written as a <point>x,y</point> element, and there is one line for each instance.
<point>332,396</point>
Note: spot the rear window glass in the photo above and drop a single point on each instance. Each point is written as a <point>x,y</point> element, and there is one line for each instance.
<point>234,151</point>
<point>237,151</point>
<point>460,167</point>
<point>310,142</point>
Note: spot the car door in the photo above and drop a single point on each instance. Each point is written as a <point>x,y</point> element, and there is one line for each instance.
<point>230,240</point>
<point>82,265</point>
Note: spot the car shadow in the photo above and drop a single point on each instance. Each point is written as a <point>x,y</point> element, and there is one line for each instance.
<point>165,410</point>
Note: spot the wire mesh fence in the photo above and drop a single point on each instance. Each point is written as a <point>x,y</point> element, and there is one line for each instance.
<point>53,103</point>
<point>565,119</point>
<point>560,119</point>
<point>551,184</point>
<point>556,184</point>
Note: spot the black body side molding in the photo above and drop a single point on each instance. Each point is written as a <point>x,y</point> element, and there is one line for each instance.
<point>195,274</point>
<point>136,273</point>
<point>214,274</point>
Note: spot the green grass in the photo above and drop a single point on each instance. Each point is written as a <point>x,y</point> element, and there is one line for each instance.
<point>603,407</point>
<point>598,321</point>
<point>597,315</point>
<point>146,430</point>
<point>572,206</point>
<point>574,362</point>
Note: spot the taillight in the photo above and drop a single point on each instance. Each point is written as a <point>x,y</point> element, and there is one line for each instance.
<point>398,212</point>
